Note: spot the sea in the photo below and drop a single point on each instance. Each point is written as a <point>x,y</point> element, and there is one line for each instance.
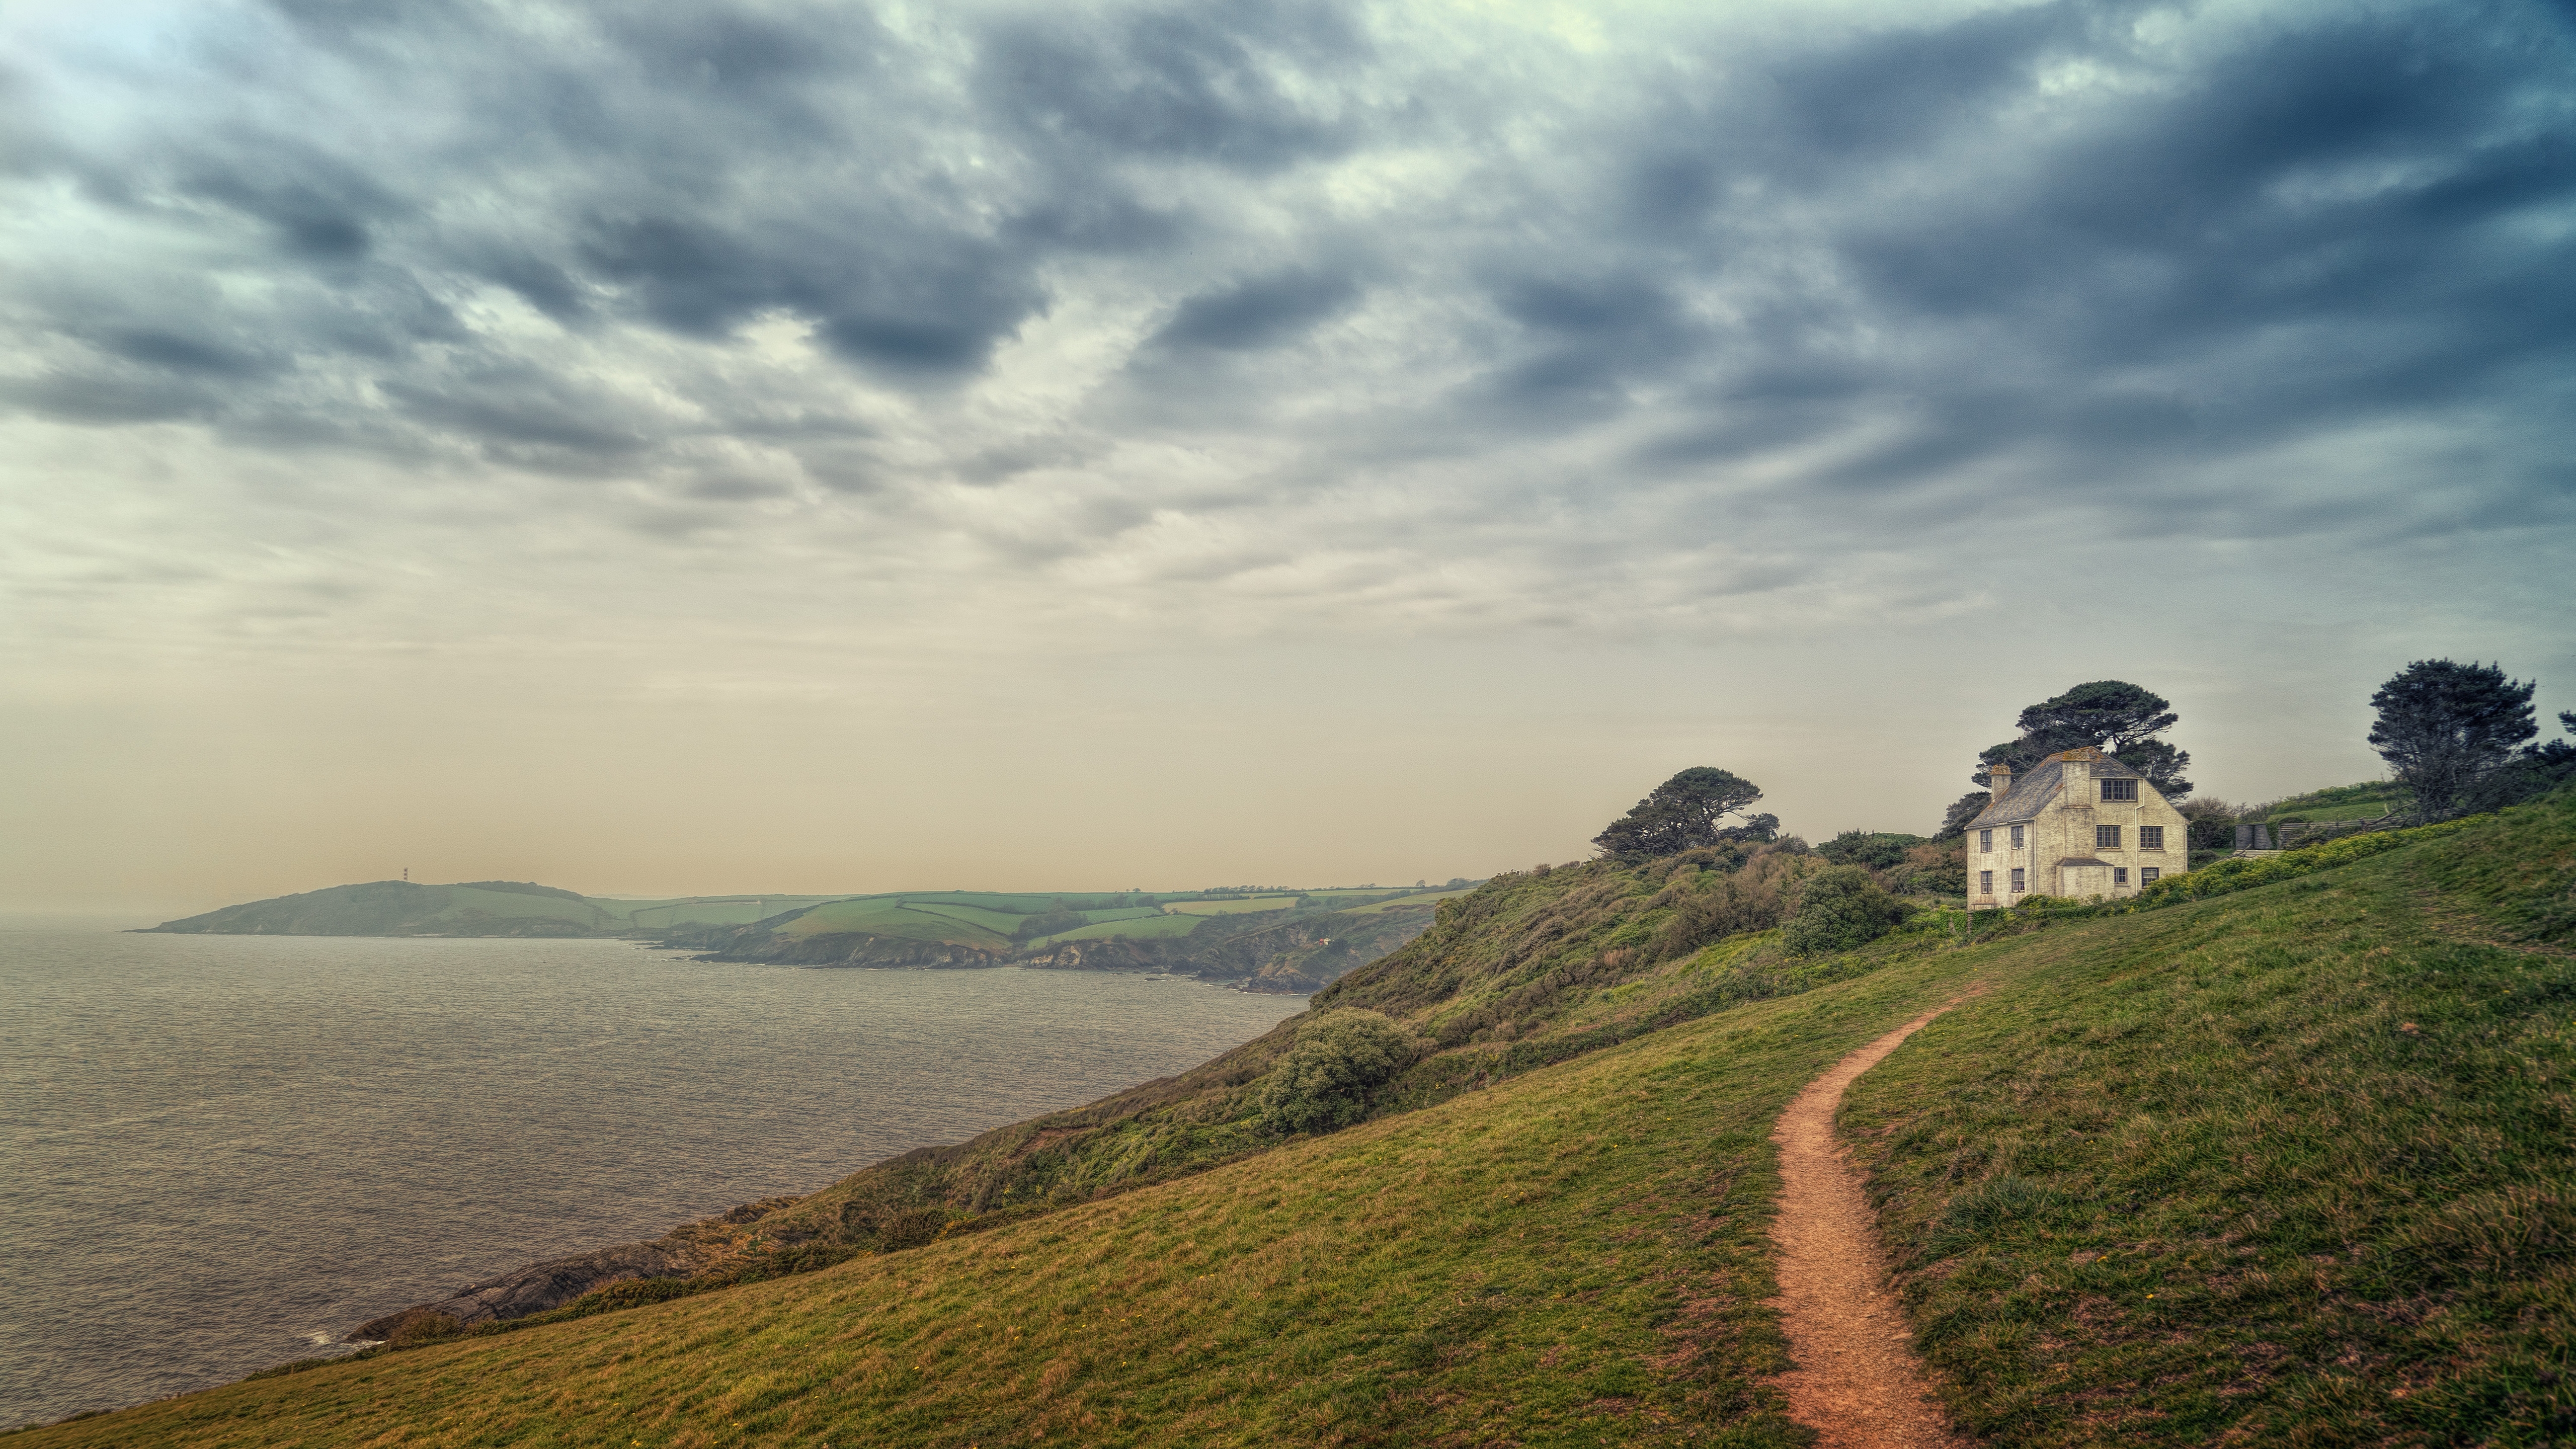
<point>225,1152</point>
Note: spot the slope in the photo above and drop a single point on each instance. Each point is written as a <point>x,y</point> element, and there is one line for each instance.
<point>2322,1120</point>
<point>2291,1166</point>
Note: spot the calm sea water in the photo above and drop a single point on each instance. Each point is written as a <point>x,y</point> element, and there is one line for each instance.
<point>224,1151</point>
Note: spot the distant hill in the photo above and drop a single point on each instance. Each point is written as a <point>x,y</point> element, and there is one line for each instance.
<point>1267,939</point>
<point>408,908</point>
<point>1273,940</point>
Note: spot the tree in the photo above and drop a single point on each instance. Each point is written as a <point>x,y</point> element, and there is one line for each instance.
<point>2445,728</point>
<point>1962,810</point>
<point>1687,812</point>
<point>2113,716</point>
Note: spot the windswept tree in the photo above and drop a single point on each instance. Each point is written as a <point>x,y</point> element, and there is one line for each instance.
<point>2120,719</point>
<point>1688,811</point>
<point>2446,728</point>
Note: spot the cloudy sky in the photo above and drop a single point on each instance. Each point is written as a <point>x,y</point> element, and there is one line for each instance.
<point>838,447</point>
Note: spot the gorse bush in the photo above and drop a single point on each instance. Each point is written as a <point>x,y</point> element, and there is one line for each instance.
<point>1753,895</point>
<point>1840,908</point>
<point>1325,1080</point>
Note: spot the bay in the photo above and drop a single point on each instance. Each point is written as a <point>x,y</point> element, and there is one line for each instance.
<point>223,1152</point>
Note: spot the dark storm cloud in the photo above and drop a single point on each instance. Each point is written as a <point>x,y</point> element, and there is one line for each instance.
<point>1261,312</point>
<point>531,414</point>
<point>1922,259</point>
<point>2342,218</point>
<point>1230,83</point>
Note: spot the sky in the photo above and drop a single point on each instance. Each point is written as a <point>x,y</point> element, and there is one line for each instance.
<point>693,448</point>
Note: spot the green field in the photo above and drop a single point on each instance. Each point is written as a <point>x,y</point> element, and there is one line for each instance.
<point>704,910</point>
<point>1157,927</point>
<point>1122,913</point>
<point>1251,905</point>
<point>1419,899</point>
<point>1000,923</point>
<point>893,917</point>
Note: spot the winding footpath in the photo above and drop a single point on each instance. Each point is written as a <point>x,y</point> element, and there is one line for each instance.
<point>1856,1380</point>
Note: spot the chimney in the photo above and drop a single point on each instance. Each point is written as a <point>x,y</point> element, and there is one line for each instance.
<point>2002,781</point>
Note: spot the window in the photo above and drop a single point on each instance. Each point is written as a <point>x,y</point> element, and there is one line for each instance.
<point>1985,842</point>
<point>2017,886</point>
<point>2106,837</point>
<point>2016,837</point>
<point>2119,789</point>
<point>1985,882</point>
<point>2151,837</point>
<point>2119,875</point>
<point>2147,875</point>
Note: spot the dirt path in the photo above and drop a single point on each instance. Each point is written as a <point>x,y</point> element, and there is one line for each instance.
<point>1857,1382</point>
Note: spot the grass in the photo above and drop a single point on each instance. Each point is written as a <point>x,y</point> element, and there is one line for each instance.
<point>720,911</point>
<point>1156,926</point>
<point>2366,801</point>
<point>2289,1166</point>
<point>1244,906</point>
<point>1000,923</point>
<point>1419,899</point>
<point>893,917</point>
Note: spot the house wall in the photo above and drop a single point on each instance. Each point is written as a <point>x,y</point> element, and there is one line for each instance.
<point>2079,808</point>
<point>2005,858</point>
<point>2064,829</point>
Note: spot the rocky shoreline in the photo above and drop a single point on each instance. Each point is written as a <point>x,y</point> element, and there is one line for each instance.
<point>724,1242</point>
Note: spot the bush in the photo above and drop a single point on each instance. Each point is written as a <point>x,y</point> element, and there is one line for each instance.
<point>1841,907</point>
<point>1751,896</point>
<point>892,1229</point>
<point>1326,1079</point>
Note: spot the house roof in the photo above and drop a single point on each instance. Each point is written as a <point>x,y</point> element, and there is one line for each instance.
<point>2082,860</point>
<point>2035,787</point>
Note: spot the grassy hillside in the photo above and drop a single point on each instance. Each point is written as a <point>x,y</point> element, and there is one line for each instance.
<point>2366,801</point>
<point>2285,1164</point>
<point>2292,1166</point>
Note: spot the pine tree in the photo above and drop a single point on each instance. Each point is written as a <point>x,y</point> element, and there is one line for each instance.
<point>2445,728</point>
<point>1687,811</point>
<point>2118,718</point>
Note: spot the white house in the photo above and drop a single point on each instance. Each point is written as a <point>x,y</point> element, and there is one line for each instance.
<point>2079,824</point>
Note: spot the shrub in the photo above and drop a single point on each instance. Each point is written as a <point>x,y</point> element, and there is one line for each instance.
<point>629,1293</point>
<point>892,1229</point>
<point>1755,896</point>
<point>1940,868</point>
<point>1326,1079</point>
<point>1839,908</point>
